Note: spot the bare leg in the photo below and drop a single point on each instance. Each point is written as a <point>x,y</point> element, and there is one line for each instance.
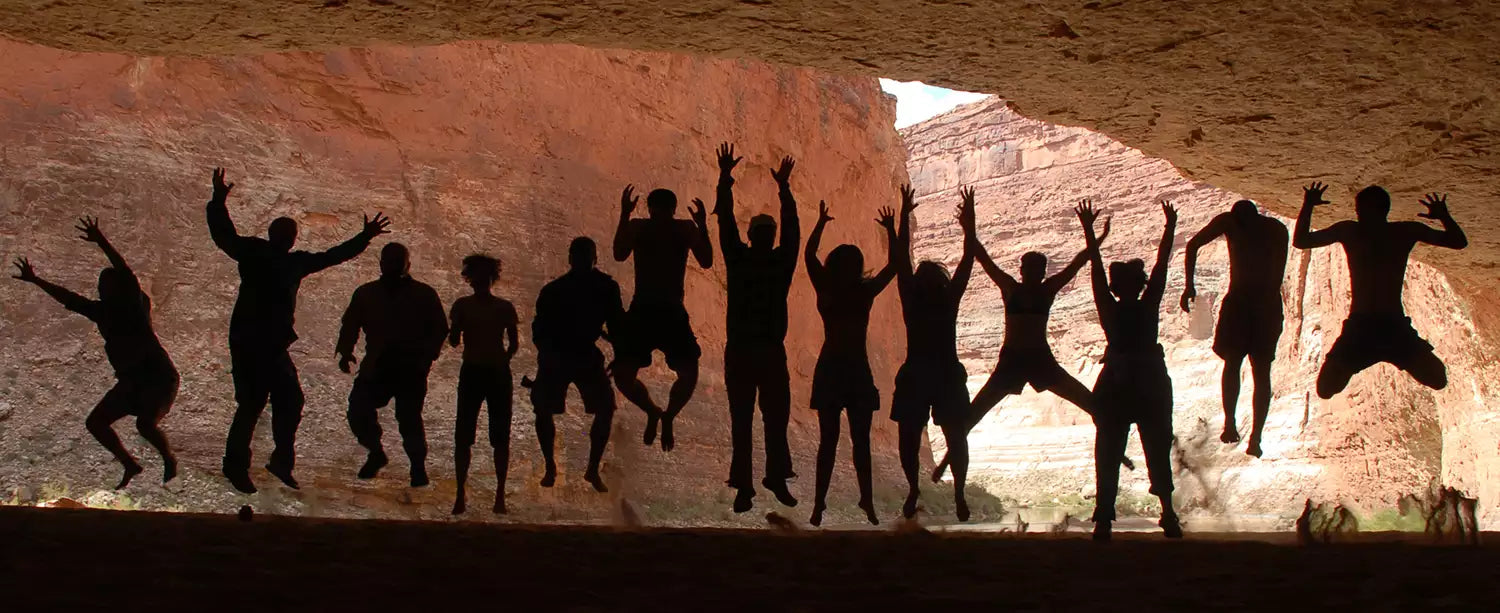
<point>546,435</point>
<point>461,457</point>
<point>859,441</point>
<point>994,390</point>
<point>1260,401</point>
<point>114,405</point>
<point>630,386</point>
<point>1230,384</point>
<point>682,392</point>
<point>828,445</point>
<point>958,450</point>
<point>598,439</point>
<point>910,440</point>
<point>151,431</point>
<point>1426,368</point>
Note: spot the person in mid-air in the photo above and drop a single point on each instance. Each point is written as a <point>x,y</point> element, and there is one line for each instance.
<point>486,325</point>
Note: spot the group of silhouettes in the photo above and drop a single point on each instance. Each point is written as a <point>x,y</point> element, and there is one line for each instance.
<point>404,327</point>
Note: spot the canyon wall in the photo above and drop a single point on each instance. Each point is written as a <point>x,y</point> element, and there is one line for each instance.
<point>1383,437</point>
<point>507,149</point>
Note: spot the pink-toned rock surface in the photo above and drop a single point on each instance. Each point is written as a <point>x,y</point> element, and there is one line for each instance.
<point>1383,437</point>
<point>509,149</point>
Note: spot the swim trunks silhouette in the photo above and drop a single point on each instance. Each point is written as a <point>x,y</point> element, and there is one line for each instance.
<point>842,381</point>
<point>1133,386</point>
<point>1251,319</point>
<point>760,277</point>
<point>404,326</point>
<point>657,319</point>
<point>486,325</point>
<point>261,329</point>
<point>572,314</point>
<point>1377,329</point>
<point>145,379</point>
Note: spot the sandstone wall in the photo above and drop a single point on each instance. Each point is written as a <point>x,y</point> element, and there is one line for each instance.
<point>509,149</point>
<point>1383,437</point>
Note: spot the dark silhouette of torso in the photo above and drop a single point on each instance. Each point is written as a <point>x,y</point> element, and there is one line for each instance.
<point>572,310</point>
<point>759,281</point>
<point>483,320</point>
<point>1257,257</point>
<point>402,319</point>
<point>661,250</point>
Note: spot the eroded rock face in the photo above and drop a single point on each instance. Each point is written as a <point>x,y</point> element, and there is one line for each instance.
<point>508,149</point>
<point>1252,97</point>
<point>1383,437</point>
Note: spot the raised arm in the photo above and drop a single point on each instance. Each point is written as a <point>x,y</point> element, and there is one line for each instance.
<point>624,232</point>
<point>960,282</point>
<point>1056,282</point>
<point>703,249</point>
<point>71,301</point>
<point>349,327</point>
<point>810,255</point>
<point>89,226</point>
<point>883,278</point>
<point>1451,236</point>
<point>1303,236</point>
<point>1102,298</point>
<point>349,249</point>
<point>1213,230</point>
<point>791,226</point>
<point>729,229</point>
<point>900,256</point>
<point>1156,286</point>
<point>220,226</point>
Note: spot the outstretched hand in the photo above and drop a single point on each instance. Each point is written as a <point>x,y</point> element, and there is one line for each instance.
<point>24,271</point>
<point>887,219</point>
<point>1437,206</point>
<point>966,210</point>
<point>908,199</point>
<point>1169,211</point>
<point>377,226</point>
<point>628,201</point>
<point>727,161</point>
<point>1313,194</point>
<point>699,213</point>
<point>221,189</point>
<point>89,226</point>
<point>783,173</point>
<point>823,216</point>
<point>1086,213</point>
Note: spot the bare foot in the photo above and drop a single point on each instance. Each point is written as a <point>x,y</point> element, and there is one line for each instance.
<point>284,474</point>
<point>131,470</point>
<point>499,507</point>
<point>373,463</point>
<point>653,418</point>
<point>744,500</point>
<point>550,477</point>
<point>961,508</point>
<point>458,505</point>
<point>667,441</point>
<point>909,510</point>
<point>778,487</point>
<point>869,508</point>
<point>817,515</point>
<point>1231,434</point>
<point>594,480</point>
<point>168,469</point>
<point>1253,448</point>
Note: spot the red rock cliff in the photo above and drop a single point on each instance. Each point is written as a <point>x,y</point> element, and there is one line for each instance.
<point>509,149</point>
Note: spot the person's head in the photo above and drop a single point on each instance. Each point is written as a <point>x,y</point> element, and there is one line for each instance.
<point>582,253</point>
<point>661,204</point>
<point>114,284</point>
<point>1372,203</point>
<point>762,232</point>
<point>1244,210</point>
<point>931,277</point>
<point>845,264</point>
<point>481,271</point>
<point>1127,279</point>
<point>394,262</point>
<point>1033,267</point>
<point>282,233</point>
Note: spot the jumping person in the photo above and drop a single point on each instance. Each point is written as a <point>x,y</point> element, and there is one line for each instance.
<point>1025,355</point>
<point>486,324</point>
<point>404,327</point>
<point>760,276</point>
<point>261,330</point>
<point>572,313</point>
<point>1134,385</point>
<point>932,381</point>
<point>1251,319</point>
<point>1377,329</point>
<point>145,380</point>
<point>657,318</point>
<point>842,381</point>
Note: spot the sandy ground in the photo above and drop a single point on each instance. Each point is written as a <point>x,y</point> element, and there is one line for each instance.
<point>57,559</point>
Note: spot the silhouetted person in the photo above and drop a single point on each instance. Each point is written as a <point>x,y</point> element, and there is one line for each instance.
<point>486,324</point>
<point>1025,355</point>
<point>1377,329</point>
<point>404,327</point>
<point>932,381</point>
<point>571,315</point>
<point>1250,320</point>
<point>657,318</point>
<point>1133,386</point>
<point>262,329</point>
<point>842,380</point>
<point>760,276</point>
<point>145,380</point>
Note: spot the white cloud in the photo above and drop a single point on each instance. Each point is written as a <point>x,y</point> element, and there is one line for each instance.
<point>917,101</point>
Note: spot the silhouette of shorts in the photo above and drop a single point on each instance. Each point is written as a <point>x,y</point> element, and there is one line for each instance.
<point>1369,339</point>
<point>844,382</point>
<point>1248,327</point>
<point>584,369</point>
<point>647,328</point>
<point>479,383</point>
<point>922,385</point>
<point>148,394</point>
<point>1017,367</point>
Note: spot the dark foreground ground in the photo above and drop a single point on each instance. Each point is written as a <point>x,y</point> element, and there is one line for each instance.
<point>65,560</point>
